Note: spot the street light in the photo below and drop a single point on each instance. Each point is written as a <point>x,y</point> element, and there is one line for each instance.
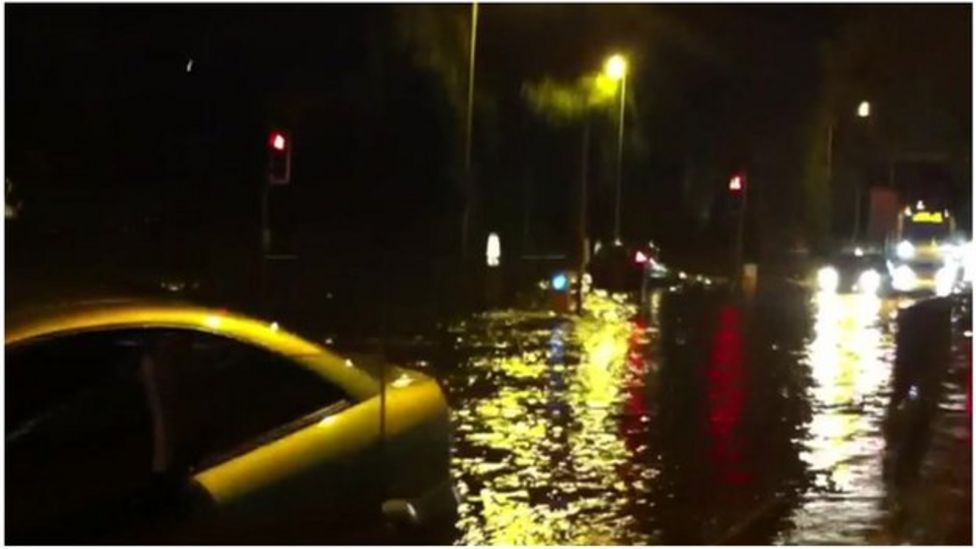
<point>468,125</point>
<point>615,68</point>
<point>864,109</point>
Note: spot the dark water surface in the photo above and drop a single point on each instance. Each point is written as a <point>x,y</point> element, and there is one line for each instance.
<point>698,420</point>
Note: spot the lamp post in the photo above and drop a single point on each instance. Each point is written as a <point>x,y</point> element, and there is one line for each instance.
<point>863,111</point>
<point>468,124</point>
<point>615,67</point>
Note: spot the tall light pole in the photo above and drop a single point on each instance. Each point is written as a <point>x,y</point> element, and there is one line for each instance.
<point>863,111</point>
<point>615,67</point>
<point>469,121</point>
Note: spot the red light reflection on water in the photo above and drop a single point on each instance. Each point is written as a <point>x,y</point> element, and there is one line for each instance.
<point>726,397</point>
<point>637,365</point>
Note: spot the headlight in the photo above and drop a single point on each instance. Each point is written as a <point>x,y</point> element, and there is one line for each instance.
<point>828,279</point>
<point>903,279</point>
<point>945,279</point>
<point>869,282</point>
<point>905,250</point>
<point>949,250</point>
<point>966,257</point>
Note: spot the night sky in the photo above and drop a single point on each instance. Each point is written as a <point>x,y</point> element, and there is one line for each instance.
<point>119,152</point>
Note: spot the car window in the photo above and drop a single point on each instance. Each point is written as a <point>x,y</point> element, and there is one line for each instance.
<point>227,397</point>
<point>78,434</point>
<point>45,374</point>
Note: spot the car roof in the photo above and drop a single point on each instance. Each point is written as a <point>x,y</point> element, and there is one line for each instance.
<point>123,313</point>
<point>53,319</point>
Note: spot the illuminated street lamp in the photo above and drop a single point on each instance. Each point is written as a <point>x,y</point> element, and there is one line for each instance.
<point>615,68</point>
<point>864,109</point>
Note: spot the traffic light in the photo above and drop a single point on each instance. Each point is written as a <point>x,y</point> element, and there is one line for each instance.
<point>279,157</point>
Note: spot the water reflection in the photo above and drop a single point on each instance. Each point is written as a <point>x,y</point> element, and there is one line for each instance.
<point>849,358</point>
<point>726,398</point>
<point>668,427</point>
<point>698,420</point>
<point>539,460</point>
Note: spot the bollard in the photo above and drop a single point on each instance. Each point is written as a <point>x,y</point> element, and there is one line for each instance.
<point>750,278</point>
<point>559,292</point>
<point>493,277</point>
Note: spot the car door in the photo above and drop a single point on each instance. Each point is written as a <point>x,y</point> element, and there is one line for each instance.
<point>283,455</point>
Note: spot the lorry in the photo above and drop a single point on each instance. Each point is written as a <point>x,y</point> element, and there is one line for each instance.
<point>922,249</point>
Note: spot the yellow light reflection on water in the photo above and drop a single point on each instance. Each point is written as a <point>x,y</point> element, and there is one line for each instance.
<point>546,448</point>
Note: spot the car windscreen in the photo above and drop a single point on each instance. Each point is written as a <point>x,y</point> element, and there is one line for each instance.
<point>926,231</point>
<point>854,262</point>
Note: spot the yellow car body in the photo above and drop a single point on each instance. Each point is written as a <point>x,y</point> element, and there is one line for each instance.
<point>343,474</point>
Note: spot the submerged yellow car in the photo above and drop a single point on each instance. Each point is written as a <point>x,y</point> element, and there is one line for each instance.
<point>138,422</point>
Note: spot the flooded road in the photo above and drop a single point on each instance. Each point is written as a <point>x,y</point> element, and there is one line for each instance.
<point>698,420</point>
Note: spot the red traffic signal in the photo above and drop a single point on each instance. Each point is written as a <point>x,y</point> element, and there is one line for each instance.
<point>278,141</point>
<point>279,157</point>
<point>737,183</point>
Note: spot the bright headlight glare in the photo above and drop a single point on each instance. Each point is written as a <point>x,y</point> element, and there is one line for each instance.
<point>945,279</point>
<point>869,282</point>
<point>905,250</point>
<point>903,279</point>
<point>827,279</point>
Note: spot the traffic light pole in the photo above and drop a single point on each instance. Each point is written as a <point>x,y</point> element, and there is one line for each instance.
<point>265,225</point>
<point>278,172</point>
<point>265,247</point>
<point>739,187</point>
<point>740,237</point>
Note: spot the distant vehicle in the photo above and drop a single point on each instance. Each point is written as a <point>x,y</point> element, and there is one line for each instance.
<point>139,422</point>
<point>925,254</point>
<point>856,269</point>
<point>621,267</point>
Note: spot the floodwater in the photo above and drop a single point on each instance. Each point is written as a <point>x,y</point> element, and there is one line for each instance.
<point>696,419</point>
